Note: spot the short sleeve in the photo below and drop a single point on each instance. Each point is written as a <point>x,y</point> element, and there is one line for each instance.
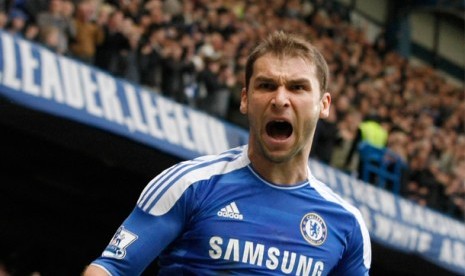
<point>140,239</point>
<point>356,260</point>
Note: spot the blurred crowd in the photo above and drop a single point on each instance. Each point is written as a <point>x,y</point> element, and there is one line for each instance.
<point>194,51</point>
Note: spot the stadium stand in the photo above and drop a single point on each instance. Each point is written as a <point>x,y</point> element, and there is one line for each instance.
<point>193,52</point>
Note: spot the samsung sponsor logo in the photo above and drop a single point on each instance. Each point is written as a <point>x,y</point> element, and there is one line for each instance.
<point>271,258</point>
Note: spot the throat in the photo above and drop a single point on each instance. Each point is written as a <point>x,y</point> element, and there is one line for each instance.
<point>280,176</point>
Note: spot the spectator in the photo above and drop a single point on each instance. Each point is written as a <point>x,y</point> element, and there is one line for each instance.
<point>110,53</point>
<point>130,67</point>
<point>325,139</point>
<point>413,102</point>
<point>88,34</point>
<point>3,19</point>
<point>17,22</point>
<point>211,88</point>
<point>50,38</point>
<point>132,9</point>
<point>5,5</point>
<point>150,57</point>
<point>347,134</point>
<point>34,7</point>
<point>234,114</point>
<point>56,16</point>
<point>423,186</point>
<point>370,131</point>
<point>175,66</point>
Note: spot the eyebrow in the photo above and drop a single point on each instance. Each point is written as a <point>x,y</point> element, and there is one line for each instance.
<point>292,81</point>
<point>264,79</point>
<point>299,81</point>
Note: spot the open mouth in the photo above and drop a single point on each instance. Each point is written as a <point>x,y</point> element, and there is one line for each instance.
<point>279,130</point>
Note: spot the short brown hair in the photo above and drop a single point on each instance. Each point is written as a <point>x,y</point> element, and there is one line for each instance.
<point>283,44</point>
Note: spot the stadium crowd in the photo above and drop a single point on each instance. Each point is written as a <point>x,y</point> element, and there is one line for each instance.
<point>194,52</point>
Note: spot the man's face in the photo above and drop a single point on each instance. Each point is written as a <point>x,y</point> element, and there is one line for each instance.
<point>283,105</point>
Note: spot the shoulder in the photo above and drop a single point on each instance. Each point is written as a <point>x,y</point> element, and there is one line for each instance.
<point>351,212</point>
<point>166,189</point>
<point>358,233</point>
<point>331,197</point>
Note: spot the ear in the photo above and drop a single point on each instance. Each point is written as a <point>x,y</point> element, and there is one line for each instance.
<point>244,100</point>
<point>325,103</point>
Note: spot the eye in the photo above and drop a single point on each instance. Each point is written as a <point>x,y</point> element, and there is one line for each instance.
<point>266,86</point>
<point>298,87</point>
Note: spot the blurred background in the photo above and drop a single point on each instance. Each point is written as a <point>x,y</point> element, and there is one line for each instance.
<point>80,79</point>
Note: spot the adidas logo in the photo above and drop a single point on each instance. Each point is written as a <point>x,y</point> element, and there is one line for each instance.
<point>230,211</point>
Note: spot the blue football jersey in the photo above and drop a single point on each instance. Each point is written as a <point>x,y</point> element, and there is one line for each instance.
<point>215,215</point>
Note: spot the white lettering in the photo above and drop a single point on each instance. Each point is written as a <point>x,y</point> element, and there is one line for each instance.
<point>370,196</point>
<point>253,256</point>
<point>134,108</point>
<point>318,269</point>
<point>366,214</point>
<point>215,251</point>
<point>29,65</point>
<point>71,83</point>
<point>387,203</point>
<point>201,137</point>
<point>272,262</point>
<point>424,218</point>
<point>51,81</point>
<point>305,265</point>
<point>90,90</point>
<point>458,228</point>
<point>383,228</point>
<point>218,133</point>
<point>445,254</point>
<point>358,189</point>
<point>317,170</point>
<point>111,104</point>
<point>168,122</point>
<point>233,247</point>
<point>330,177</point>
<point>288,264</point>
<point>345,184</point>
<point>453,252</point>
<point>230,215</point>
<point>9,62</point>
<point>183,127</point>
<point>151,114</point>
<point>424,242</point>
<point>401,234</point>
<point>459,254</point>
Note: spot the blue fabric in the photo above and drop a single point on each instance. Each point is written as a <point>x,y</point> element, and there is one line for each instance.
<point>231,221</point>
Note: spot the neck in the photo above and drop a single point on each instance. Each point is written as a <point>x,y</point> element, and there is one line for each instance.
<point>286,173</point>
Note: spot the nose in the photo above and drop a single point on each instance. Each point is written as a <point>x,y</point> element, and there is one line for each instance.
<point>280,98</point>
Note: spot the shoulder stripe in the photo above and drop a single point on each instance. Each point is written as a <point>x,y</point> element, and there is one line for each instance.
<point>165,185</point>
<point>155,183</point>
<point>162,193</point>
<point>330,195</point>
<point>176,169</point>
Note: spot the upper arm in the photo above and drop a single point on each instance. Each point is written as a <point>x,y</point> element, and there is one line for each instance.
<point>94,270</point>
<point>161,214</point>
<point>356,259</point>
<point>141,238</point>
<point>138,241</point>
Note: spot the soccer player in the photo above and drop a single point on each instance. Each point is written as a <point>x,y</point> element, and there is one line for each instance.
<point>255,209</point>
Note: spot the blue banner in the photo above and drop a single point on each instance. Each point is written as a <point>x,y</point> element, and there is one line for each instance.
<point>399,223</point>
<point>32,76</point>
